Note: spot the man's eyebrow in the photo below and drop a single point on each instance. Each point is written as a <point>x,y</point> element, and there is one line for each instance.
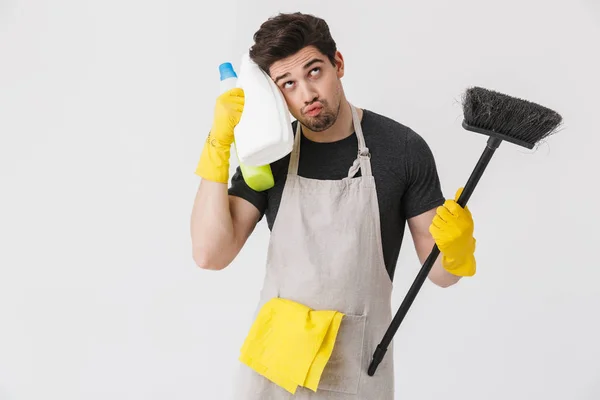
<point>281,77</point>
<point>311,62</point>
<point>308,64</point>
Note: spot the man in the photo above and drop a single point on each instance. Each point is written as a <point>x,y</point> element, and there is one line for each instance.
<point>338,210</point>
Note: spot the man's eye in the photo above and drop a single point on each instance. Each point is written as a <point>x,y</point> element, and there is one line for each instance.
<point>287,83</point>
<point>315,71</point>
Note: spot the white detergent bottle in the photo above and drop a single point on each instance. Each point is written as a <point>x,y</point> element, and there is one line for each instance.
<point>260,177</point>
<point>264,133</point>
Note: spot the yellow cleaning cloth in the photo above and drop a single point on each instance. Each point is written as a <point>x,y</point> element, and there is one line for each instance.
<point>290,344</point>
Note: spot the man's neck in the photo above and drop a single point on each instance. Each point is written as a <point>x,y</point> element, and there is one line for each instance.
<point>341,129</point>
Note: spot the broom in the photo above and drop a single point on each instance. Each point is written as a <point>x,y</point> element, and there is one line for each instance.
<point>502,118</point>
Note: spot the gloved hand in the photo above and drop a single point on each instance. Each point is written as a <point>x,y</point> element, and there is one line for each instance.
<point>214,160</point>
<point>452,229</point>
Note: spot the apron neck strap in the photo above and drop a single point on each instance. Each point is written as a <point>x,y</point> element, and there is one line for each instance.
<point>362,162</point>
<point>363,159</point>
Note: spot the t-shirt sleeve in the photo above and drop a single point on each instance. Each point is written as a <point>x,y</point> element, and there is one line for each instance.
<point>239,188</point>
<point>423,190</point>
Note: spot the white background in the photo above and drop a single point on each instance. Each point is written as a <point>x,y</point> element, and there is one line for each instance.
<point>104,107</point>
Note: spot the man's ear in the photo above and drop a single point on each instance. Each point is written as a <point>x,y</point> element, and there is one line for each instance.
<point>339,64</point>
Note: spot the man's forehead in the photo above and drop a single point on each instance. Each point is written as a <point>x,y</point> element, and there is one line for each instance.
<point>295,62</point>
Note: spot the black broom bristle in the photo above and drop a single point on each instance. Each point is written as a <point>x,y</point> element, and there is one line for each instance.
<point>509,117</point>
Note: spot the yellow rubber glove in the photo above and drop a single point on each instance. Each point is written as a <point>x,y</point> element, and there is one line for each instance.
<point>452,229</point>
<point>214,160</point>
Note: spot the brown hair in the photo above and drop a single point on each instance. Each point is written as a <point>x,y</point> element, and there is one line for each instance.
<point>286,34</point>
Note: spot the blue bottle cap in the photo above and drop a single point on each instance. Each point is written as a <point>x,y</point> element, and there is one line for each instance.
<point>226,71</point>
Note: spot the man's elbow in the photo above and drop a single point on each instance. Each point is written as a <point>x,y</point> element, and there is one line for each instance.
<point>445,284</point>
<point>444,281</point>
<point>204,260</point>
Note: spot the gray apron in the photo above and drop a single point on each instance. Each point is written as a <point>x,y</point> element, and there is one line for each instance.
<point>326,252</point>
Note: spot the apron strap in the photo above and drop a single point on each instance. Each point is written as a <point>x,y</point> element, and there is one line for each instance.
<point>362,162</point>
<point>295,156</point>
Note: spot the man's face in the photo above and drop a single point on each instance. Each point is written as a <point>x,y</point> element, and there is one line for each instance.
<point>311,87</point>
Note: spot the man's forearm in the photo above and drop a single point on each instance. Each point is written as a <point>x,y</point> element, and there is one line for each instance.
<point>211,226</point>
<point>440,276</point>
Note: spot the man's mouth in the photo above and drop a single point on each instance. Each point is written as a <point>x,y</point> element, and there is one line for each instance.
<point>313,109</point>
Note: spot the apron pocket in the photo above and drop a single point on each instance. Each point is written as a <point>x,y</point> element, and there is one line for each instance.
<point>343,370</point>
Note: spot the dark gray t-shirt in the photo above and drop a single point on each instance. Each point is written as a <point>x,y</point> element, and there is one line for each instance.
<point>403,167</point>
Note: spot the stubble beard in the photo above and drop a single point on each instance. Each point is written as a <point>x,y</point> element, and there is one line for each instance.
<point>324,120</point>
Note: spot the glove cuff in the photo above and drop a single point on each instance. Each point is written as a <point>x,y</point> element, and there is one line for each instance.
<point>214,161</point>
<point>460,267</point>
<point>460,250</point>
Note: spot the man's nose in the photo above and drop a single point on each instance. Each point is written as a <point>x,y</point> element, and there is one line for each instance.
<point>309,94</point>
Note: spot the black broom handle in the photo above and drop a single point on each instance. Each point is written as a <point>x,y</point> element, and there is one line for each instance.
<point>486,156</point>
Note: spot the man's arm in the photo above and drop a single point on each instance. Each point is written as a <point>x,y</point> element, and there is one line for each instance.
<point>220,225</point>
<point>423,241</point>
